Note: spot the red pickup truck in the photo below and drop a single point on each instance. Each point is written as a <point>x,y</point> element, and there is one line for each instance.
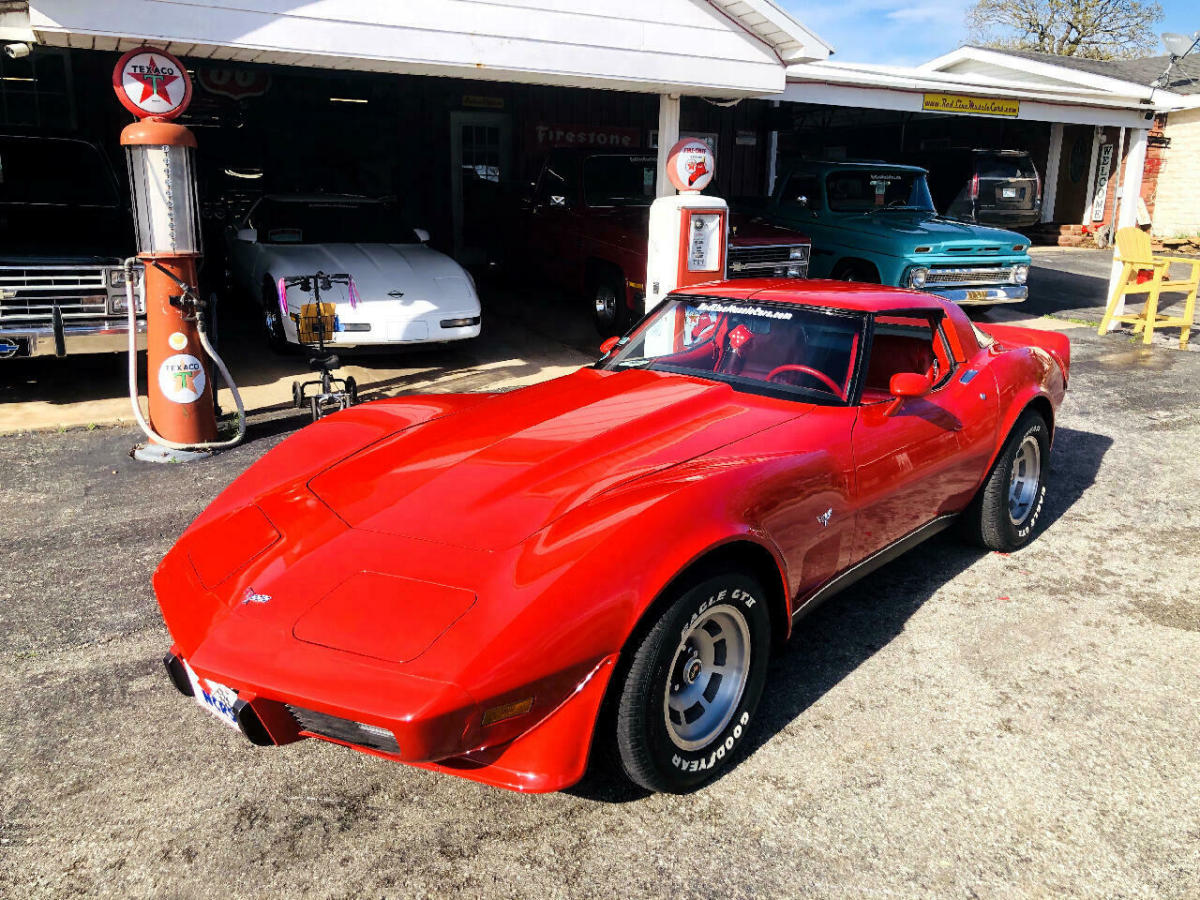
<point>585,229</point>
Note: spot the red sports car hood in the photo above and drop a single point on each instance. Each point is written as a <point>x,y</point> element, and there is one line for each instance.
<point>492,476</point>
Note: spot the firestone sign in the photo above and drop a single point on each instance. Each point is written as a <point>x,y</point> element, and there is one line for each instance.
<point>152,82</point>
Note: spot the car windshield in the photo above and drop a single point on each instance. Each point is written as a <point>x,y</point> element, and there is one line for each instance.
<point>869,190</point>
<point>619,180</point>
<point>774,348</point>
<point>330,222</point>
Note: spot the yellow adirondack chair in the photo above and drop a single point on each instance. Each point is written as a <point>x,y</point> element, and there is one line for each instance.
<point>1135,255</point>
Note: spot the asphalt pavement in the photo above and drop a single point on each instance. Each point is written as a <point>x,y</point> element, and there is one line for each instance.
<point>960,723</point>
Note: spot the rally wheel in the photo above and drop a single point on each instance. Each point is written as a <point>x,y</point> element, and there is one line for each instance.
<point>1005,512</point>
<point>688,697</point>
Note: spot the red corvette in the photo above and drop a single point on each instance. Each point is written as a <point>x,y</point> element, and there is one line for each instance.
<point>491,584</point>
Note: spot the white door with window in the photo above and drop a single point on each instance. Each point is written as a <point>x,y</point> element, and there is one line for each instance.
<point>481,160</point>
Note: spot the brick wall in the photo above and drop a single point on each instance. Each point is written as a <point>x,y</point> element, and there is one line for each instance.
<point>1177,201</point>
<point>1155,156</point>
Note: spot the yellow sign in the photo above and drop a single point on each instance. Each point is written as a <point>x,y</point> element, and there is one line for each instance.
<point>480,102</point>
<point>980,106</point>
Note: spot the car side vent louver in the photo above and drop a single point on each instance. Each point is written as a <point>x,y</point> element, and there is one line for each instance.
<point>325,725</point>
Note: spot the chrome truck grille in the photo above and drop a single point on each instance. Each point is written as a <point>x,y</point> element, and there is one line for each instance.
<point>951,277</point>
<point>346,730</point>
<point>767,261</point>
<point>30,293</point>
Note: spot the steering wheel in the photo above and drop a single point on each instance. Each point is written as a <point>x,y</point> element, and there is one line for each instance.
<point>808,370</point>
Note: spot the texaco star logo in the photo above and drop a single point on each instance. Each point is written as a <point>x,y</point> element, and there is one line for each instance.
<point>152,82</point>
<point>154,79</point>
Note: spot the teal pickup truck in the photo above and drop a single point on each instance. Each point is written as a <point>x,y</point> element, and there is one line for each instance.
<point>876,222</point>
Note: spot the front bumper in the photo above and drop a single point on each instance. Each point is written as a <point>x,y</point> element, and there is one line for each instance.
<point>548,753</point>
<point>424,329</point>
<point>24,340</point>
<point>983,295</point>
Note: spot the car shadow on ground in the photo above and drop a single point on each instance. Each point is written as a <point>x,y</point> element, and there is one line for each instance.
<point>851,627</point>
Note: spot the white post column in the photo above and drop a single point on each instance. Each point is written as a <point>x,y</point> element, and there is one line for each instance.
<point>1050,182</point>
<point>1131,190</point>
<point>772,151</point>
<point>668,135</point>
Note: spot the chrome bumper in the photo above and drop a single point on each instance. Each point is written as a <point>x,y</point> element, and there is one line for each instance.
<point>22,340</point>
<point>983,296</point>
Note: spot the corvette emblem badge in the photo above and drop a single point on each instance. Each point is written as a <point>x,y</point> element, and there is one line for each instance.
<point>825,517</point>
<point>251,597</point>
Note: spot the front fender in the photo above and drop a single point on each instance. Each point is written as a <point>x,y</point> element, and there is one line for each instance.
<point>1024,376</point>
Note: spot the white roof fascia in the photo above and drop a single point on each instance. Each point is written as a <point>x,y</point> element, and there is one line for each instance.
<point>887,97</point>
<point>693,47</point>
<point>790,40</point>
<point>1117,86</point>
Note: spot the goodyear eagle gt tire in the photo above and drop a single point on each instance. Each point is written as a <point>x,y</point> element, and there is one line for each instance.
<point>1005,512</point>
<point>692,688</point>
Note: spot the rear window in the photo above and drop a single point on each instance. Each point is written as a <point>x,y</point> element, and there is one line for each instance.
<point>55,173</point>
<point>1005,167</point>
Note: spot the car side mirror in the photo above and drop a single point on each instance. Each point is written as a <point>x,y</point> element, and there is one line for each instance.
<point>907,386</point>
<point>422,235</point>
<point>248,235</point>
<point>609,345</point>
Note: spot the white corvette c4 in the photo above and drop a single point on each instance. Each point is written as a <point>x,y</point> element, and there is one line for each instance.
<point>400,290</point>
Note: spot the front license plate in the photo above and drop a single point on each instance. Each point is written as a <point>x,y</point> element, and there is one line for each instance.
<point>214,697</point>
<point>977,295</point>
<point>1008,193</point>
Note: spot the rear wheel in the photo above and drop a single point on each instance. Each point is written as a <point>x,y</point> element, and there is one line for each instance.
<point>1005,512</point>
<point>693,684</point>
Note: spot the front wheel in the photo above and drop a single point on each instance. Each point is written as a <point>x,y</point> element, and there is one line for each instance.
<point>693,684</point>
<point>1005,512</point>
<point>272,322</point>
<point>609,313</point>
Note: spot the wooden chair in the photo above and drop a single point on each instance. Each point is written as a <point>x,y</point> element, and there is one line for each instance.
<point>1135,255</point>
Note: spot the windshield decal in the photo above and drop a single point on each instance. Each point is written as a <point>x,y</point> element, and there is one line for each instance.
<point>736,309</point>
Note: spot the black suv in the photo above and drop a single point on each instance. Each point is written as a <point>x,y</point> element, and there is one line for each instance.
<point>988,187</point>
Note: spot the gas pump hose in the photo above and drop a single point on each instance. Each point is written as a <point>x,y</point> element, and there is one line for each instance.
<point>131,313</point>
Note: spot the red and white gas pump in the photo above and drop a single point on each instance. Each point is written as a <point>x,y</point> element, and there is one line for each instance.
<point>155,87</point>
<point>688,232</point>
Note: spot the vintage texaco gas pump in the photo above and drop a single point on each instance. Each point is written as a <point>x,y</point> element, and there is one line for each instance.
<point>687,231</point>
<point>155,87</point>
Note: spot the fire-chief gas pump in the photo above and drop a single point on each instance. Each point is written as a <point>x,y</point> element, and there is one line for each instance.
<point>155,87</point>
<point>688,231</point>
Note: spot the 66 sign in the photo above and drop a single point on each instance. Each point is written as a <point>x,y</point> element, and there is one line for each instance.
<point>152,82</point>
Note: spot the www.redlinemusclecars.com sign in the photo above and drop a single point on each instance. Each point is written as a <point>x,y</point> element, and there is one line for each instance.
<point>979,106</point>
